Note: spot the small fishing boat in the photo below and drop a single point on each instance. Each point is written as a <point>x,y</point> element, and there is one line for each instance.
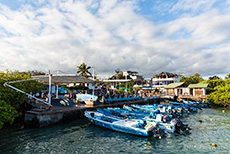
<point>122,114</point>
<point>151,108</point>
<point>167,126</point>
<point>126,126</point>
<point>129,108</point>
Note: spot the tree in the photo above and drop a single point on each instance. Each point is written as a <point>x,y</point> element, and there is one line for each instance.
<point>83,69</point>
<point>35,72</point>
<point>228,76</point>
<point>7,113</point>
<point>11,100</point>
<point>193,79</point>
<point>214,77</point>
<point>221,96</point>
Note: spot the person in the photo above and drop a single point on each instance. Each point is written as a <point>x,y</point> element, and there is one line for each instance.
<point>142,123</point>
<point>152,115</point>
<point>42,95</point>
<point>166,119</point>
<point>157,112</point>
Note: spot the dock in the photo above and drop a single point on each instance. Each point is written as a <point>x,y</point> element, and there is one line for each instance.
<point>59,114</point>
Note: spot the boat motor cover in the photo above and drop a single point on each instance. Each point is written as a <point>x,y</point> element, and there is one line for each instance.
<point>158,117</point>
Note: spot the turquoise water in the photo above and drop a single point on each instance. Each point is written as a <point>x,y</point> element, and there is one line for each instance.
<point>82,137</point>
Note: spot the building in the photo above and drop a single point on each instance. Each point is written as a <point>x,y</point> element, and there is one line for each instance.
<point>165,78</point>
<point>138,79</point>
<point>182,88</point>
<point>176,89</point>
<point>198,89</point>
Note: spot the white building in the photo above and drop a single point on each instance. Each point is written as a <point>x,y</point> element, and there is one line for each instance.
<point>132,74</point>
<point>164,78</point>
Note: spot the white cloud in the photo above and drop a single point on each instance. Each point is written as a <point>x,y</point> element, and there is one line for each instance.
<point>109,35</point>
<point>193,5</point>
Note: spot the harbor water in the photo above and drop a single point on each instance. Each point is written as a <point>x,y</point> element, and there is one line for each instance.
<point>208,126</point>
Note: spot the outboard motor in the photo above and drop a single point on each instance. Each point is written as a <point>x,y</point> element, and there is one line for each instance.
<point>175,114</point>
<point>180,126</point>
<point>158,133</point>
<point>169,111</point>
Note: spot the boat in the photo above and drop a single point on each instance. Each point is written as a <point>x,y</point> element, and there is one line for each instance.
<point>125,126</point>
<point>120,113</point>
<point>167,126</point>
<point>123,114</point>
<point>150,108</point>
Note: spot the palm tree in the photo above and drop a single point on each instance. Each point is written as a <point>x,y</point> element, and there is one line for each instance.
<point>83,69</point>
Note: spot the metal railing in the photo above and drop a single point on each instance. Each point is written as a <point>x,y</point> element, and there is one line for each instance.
<point>6,84</point>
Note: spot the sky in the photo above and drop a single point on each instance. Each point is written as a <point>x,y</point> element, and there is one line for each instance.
<point>147,36</point>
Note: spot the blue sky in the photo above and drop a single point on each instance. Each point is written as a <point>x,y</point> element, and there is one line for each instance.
<point>148,36</point>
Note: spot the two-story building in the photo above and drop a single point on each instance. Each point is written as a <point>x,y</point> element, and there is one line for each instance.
<point>165,78</point>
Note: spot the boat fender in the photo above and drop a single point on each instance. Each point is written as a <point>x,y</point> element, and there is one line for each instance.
<point>213,144</point>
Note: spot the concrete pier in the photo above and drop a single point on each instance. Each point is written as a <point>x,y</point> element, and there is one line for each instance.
<point>59,114</point>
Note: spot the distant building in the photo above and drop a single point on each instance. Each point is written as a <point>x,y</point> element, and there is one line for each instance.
<point>176,89</point>
<point>138,79</point>
<point>198,89</point>
<point>182,88</point>
<point>165,78</point>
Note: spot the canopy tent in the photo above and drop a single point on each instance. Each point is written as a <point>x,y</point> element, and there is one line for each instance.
<point>62,80</point>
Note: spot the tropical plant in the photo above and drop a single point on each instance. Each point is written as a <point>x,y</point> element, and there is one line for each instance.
<point>221,96</point>
<point>83,69</point>
<point>121,90</point>
<point>11,100</point>
<point>7,113</point>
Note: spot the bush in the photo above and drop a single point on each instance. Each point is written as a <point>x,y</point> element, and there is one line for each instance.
<point>7,113</point>
<point>11,99</point>
<point>221,96</point>
<point>120,91</point>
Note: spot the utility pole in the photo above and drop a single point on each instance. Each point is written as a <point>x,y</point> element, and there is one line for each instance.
<point>93,80</point>
<point>126,84</point>
<point>50,75</point>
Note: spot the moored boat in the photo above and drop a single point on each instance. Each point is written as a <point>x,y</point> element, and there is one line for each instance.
<point>125,126</point>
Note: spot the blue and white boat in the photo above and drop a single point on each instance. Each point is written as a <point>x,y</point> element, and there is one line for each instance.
<point>125,126</point>
<point>122,114</point>
<point>129,108</point>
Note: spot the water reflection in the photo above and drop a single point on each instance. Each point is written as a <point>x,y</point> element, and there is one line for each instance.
<point>82,137</point>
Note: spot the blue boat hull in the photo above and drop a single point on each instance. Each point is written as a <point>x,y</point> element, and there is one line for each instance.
<point>116,127</point>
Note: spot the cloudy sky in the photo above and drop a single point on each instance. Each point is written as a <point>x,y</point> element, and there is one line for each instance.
<point>148,36</point>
